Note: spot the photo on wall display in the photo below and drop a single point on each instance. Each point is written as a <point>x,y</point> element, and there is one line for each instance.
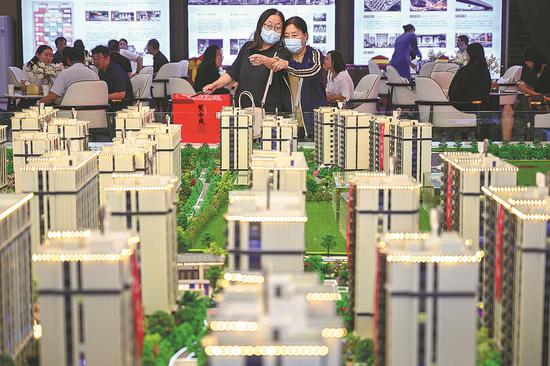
<point>319,39</point>
<point>235,45</point>
<point>51,20</point>
<point>97,16</point>
<point>474,5</point>
<point>382,5</point>
<point>428,5</point>
<point>203,44</point>
<point>148,16</point>
<point>379,40</point>
<point>261,2</point>
<point>319,28</point>
<point>432,40</point>
<point>319,17</point>
<point>486,39</point>
<point>122,16</point>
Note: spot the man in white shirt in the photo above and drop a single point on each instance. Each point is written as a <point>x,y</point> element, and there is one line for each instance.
<point>132,56</point>
<point>76,71</point>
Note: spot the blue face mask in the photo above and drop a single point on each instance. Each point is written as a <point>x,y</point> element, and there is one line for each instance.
<point>294,45</point>
<point>270,37</point>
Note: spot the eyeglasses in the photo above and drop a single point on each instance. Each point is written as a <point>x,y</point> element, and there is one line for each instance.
<point>269,27</point>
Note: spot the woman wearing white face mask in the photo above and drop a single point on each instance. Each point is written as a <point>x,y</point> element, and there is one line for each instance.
<point>253,66</point>
<point>305,73</point>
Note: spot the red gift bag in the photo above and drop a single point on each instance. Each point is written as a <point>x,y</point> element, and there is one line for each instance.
<point>198,117</point>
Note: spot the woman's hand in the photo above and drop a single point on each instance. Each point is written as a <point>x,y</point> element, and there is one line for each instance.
<point>210,88</point>
<point>279,65</point>
<point>258,60</point>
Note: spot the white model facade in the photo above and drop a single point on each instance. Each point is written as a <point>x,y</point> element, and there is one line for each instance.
<point>352,131</point>
<point>235,139</point>
<point>287,170</point>
<point>324,121</point>
<point>279,134</point>
<point>71,129</point>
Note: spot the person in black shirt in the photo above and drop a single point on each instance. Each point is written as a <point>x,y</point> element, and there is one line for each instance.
<point>118,82</point>
<point>60,44</point>
<point>153,48</point>
<point>209,69</point>
<point>114,50</point>
<point>473,81</point>
<point>253,66</point>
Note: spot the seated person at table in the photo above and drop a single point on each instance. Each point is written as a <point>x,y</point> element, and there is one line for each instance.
<point>535,77</point>
<point>159,60</point>
<point>60,44</point>
<point>209,70</point>
<point>118,82</point>
<point>76,71</point>
<point>339,84</point>
<point>79,44</point>
<point>132,56</point>
<point>114,48</point>
<point>44,55</point>
<point>472,82</point>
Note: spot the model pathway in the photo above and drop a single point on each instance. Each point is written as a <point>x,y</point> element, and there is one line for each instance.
<point>204,189</point>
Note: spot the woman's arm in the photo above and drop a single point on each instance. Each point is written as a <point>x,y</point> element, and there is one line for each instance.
<point>220,83</point>
<point>414,46</point>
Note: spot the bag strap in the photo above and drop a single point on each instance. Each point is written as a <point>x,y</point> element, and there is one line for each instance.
<point>268,84</point>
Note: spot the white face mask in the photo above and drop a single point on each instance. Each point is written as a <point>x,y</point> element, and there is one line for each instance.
<point>270,36</point>
<point>294,45</point>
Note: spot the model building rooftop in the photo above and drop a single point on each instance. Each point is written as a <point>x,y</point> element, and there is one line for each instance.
<point>60,160</point>
<point>528,203</point>
<point>253,206</point>
<point>375,180</point>
<point>278,160</point>
<point>477,162</point>
<point>10,202</point>
<point>133,182</point>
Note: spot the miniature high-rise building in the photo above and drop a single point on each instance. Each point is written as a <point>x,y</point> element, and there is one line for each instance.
<point>88,293</point>
<point>463,175</point>
<point>266,230</point>
<point>324,121</point>
<point>426,300</point>
<point>280,319</point>
<point>410,142</point>
<point>516,273</point>
<point>27,145</point>
<point>142,142</point>
<point>352,131</point>
<point>279,134</point>
<point>133,119</point>
<point>3,157</point>
<point>377,203</point>
<point>16,299</point>
<point>66,187</point>
<point>71,129</point>
<point>288,170</point>
<point>379,158</point>
<point>236,139</point>
<point>31,120</point>
<point>120,159</point>
<point>147,205</point>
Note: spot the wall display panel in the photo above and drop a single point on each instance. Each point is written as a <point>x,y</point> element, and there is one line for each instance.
<point>95,22</point>
<point>438,23</point>
<point>230,23</point>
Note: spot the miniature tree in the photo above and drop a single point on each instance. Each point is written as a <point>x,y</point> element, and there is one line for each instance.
<point>161,323</point>
<point>213,274</point>
<point>328,242</point>
<point>6,360</point>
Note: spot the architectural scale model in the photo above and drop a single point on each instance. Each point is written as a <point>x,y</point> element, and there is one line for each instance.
<point>147,206</point>
<point>324,123</point>
<point>516,273</point>
<point>66,186</point>
<point>352,135</point>
<point>3,157</point>
<point>89,298</point>
<point>463,175</point>
<point>142,142</point>
<point>235,139</point>
<point>266,230</point>
<point>288,170</point>
<point>279,134</point>
<point>133,118</point>
<point>192,268</point>
<point>280,319</point>
<point>33,119</point>
<point>426,300</point>
<point>377,203</point>
<point>16,295</point>
<point>71,129</point>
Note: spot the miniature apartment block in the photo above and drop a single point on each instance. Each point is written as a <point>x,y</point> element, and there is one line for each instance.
<point>120,159</point>
<point>142,142</point>
<point>16,299</point>
<point>379,157</point>
<point>147,205</point>
<point>3,157</point>
<point>426,300</point>
<point>279,134</point>
<point>377,204</point>
<point>324,122</point>
<point>266,230</point>
<point>280,319</point>
<point>192,268</point>
<point>410,142</point>
<point>27,145</point>
<point>235,139</point>
<point>288,171</point>
<point>132,119</point>
<point>88,293</point>
<point>71,129</point>
<point>352,131</point>
<point>32,120</point>
<point>516,275</point>
<point>463,175</point>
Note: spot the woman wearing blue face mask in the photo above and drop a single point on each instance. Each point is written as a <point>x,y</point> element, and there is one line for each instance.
<point>253,66</point>
<point>306,74</point>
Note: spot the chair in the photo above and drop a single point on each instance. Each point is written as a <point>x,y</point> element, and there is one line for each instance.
<point>160,82</point>
<point>367,97</point>
<point>426,69</point>
<point>445,66</point>
<point>401,94</point>
<point>141,84</point>
<point>184,68</point>
<point>382,85</point>
<point>146,70</point>
<point>542,121</point>
<point>508,83</point>
<point>443,78</point>
<point>180,86</point>
<point>434,107</point>
<point>15,76</point>
<point>90,99</point>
